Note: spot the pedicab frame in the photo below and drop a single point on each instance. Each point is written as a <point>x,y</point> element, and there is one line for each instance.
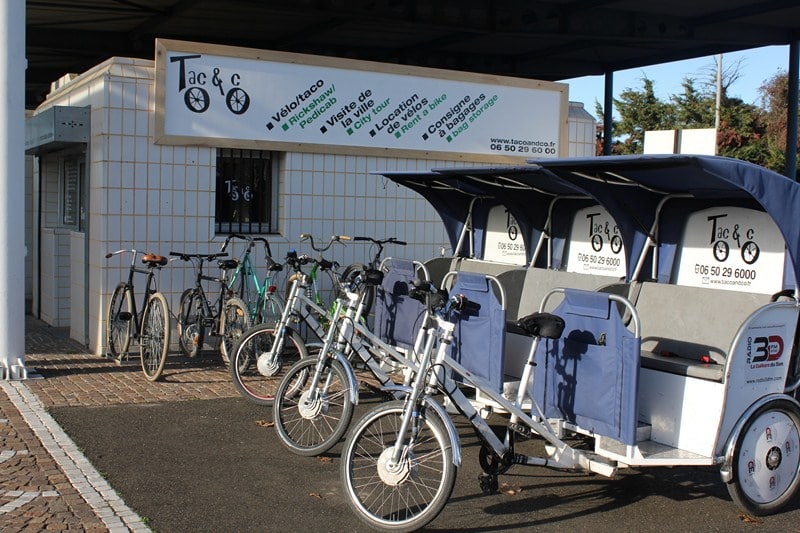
<point>756,438</point>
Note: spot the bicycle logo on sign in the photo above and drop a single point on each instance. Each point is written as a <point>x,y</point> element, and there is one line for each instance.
<point>195,83</point>
<point>719,241</point>
<point>598,229</point>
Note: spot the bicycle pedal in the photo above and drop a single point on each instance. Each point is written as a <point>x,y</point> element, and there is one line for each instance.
<point>520,429</point>
<point>488,483</point>
<point>207,322</point>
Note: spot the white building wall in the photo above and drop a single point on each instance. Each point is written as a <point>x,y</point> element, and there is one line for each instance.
<point>161,198</point>
<point>582,131</point>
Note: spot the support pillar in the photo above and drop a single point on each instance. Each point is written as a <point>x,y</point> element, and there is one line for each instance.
<point>12,190</point>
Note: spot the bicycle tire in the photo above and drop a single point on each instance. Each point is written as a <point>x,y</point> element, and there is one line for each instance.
<point>410,495</point>
<point>248,381</point>
<point>349,274</point>
<point>311,427</point>
<point>234,321</point>
<point>271,310</point>
<point>154,337</point>
<point>191,332</point>
<point>119,321</point>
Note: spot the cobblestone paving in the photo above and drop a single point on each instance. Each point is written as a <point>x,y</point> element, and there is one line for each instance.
<point>41,493</point>
<point>75,377</point>
<point>35,495</point>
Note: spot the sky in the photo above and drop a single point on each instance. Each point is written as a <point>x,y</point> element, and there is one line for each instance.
<point>755,67</point>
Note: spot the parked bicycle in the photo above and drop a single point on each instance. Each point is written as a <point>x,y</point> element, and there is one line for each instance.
<point>225,318</point>
<point>400,460</point>
<point>314,401</point>
<point>264,352</point>
<point>261,297</point>
<point>151,327</point>
<point>355,269</point>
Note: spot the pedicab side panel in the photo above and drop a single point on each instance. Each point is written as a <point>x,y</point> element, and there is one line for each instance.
<point>759,364</point>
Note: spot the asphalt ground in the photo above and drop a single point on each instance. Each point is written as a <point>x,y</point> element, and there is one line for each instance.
<point>187,454</point>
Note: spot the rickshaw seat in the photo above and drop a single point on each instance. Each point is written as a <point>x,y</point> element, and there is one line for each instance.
<point>397,315</point>
<point>591,372</point>
<point>479,336</point>
<point>689,330</point>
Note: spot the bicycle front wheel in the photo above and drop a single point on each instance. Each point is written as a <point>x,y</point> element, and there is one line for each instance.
<point>119,321</point>
<point>311,420</point>
<point>403,496</point>
<point>234,321</point>
<point>154,338</point>
<point>191,332</point>
<point>252,374</point>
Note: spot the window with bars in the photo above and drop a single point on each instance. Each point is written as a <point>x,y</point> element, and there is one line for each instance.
<point>246,191</point>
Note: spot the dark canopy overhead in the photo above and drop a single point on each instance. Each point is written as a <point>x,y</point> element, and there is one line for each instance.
<point>552,40</point>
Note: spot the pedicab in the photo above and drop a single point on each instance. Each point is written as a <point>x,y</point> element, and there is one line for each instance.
<point>703,370</point>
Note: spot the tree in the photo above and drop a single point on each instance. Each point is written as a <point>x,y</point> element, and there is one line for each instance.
<point>746,131</point>
<point>693,108</point>
<point>640,111</point>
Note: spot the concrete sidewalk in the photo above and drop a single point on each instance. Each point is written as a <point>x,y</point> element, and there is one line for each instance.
<point>45,481</point>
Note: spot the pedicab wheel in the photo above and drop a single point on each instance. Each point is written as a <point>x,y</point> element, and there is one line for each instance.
<point>310,421</point>
<point>403,496</point>
<point>766,460</point>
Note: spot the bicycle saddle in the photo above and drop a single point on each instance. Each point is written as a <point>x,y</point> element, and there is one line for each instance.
<point>154,260</point>
<point>228,264</point>
<point>545,325</point>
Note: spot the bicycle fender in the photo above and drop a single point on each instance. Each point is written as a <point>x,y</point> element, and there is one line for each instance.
<point>452,432</point>
<point>351,376</point>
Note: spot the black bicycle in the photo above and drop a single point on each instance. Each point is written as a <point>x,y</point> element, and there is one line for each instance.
<point>226,318</point>
<point>151,328</point>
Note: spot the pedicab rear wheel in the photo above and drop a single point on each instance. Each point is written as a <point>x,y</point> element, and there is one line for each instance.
<point>766,460</point>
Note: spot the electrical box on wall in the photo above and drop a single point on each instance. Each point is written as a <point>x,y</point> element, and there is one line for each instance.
<point>55,128</point>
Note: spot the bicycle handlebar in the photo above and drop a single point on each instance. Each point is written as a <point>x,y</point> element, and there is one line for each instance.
<point>439,300</point>
<point>202,257</point>
<point>380,242</point>
<point>333,239</point>
<point>232,236</point>
<point>266,246</point>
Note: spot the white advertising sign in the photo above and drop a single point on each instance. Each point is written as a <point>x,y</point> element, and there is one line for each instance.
<point>732,248</point>
<point>504,242</point>
<point>291,100</point>
<point>595,245</point>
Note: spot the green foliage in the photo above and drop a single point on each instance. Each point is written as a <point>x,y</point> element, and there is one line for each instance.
<point>746,131</point>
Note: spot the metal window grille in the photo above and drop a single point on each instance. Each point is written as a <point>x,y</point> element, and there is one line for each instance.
<point>245,191</point>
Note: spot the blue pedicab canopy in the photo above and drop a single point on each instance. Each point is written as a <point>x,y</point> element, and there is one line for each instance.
<point>524,190</point>
<point>629,187</point>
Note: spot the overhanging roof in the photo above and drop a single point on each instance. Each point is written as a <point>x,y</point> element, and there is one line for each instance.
<point>551,40</point>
